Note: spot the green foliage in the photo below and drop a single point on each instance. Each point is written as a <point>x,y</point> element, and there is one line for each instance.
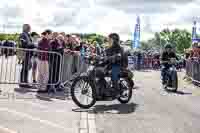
<point>180,40</point>
<point>2,37</point>
<point>91,37</point>
<point>13,37</point>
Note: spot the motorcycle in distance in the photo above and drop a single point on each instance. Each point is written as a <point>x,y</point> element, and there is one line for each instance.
<point>88,84</point>
<point>172,77</point>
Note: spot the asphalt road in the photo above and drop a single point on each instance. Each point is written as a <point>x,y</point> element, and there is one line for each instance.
<point>151,109</point>
<point>21,111</point>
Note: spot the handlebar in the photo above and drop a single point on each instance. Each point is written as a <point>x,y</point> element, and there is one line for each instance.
<point>171,61</point>
<point>101,59</point>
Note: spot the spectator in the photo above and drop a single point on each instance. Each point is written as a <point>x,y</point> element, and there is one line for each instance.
<point>139,59</point>
<point>97,48</point>
<point>1,44</point>
<point>57,45</point>
<point>67,41</point>
<point>72,44</point>
<point>35,38</point>
<point>43,65</point>
<point>5,51</point>
<point>55,34</point>
<point>187,55</point>
<point>63,34</point>
<point>79,47</point>
<point>25,42</point>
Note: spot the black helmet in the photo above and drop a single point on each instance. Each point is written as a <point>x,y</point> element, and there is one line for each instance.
<point>168,46</point>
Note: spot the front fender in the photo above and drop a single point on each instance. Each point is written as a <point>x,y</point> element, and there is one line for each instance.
<point>131,82</point>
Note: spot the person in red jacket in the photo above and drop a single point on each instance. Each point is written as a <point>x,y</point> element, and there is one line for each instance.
<point>43,64</point>
<point>57,46</point>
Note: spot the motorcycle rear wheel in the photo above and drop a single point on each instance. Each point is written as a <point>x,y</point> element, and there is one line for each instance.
<point>127,87</point>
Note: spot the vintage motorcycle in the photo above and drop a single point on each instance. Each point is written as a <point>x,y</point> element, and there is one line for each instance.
<point>95,89</point>
<point>172,76</point>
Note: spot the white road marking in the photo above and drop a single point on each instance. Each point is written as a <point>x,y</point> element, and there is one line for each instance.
<point>87,123</point>
<point>84,123</point>
<point>46,122</point>
<point>91,123</point>
<point>6,130</point>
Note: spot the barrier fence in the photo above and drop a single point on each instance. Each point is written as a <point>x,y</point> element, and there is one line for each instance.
<point>143,63</point>
<point>23,66</point>
<point>193,69</point>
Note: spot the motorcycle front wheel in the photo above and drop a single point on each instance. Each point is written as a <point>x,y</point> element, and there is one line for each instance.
<point>83,92</point>
<point>126,86</point>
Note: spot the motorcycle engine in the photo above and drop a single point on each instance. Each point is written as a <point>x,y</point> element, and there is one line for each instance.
<point>102,86</point>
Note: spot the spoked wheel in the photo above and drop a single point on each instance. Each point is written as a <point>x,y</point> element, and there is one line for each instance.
<point>126,86</point>
<point>83,92</point>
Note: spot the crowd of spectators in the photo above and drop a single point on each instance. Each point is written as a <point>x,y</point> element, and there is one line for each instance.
<point>146,60</point>
<point>46,65</point>
<point>7,43</point>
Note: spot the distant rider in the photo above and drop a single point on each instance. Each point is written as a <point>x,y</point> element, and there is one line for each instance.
<point>165,61</point>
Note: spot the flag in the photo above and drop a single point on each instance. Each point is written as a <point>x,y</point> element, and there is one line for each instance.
<point>194,32</point>
<point>136,35</point>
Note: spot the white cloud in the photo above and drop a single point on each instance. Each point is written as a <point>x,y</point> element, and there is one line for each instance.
<point>100,16</point>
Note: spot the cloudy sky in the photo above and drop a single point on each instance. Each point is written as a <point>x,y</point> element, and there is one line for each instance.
<point>99,16</point>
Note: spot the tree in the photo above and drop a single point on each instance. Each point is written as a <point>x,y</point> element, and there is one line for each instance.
<point>145,46</point>
<point>2,37</point>
<point>184,41</point>
<point>180,39</point>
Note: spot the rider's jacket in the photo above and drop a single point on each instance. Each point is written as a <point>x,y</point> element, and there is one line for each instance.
<point>165,56</point>
<point>114,50</point>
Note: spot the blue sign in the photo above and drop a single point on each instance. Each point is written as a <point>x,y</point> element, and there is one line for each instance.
<point>136,35</point>
<point>194,32</point>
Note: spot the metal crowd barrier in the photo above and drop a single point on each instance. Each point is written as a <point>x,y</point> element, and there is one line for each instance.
<point>143,63</point>
<point>73,66</point>
<point>193,69</point>
<point>17,66</point>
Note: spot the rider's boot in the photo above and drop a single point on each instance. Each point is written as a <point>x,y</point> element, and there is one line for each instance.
<point>164,86</point>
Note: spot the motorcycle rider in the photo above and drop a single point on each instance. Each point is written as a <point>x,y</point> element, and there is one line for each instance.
<point>165,61</point>
<point>114,49</point>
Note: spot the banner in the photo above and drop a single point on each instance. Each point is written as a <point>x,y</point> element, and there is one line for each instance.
<point>136,35</point>
<point>194,31</point>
